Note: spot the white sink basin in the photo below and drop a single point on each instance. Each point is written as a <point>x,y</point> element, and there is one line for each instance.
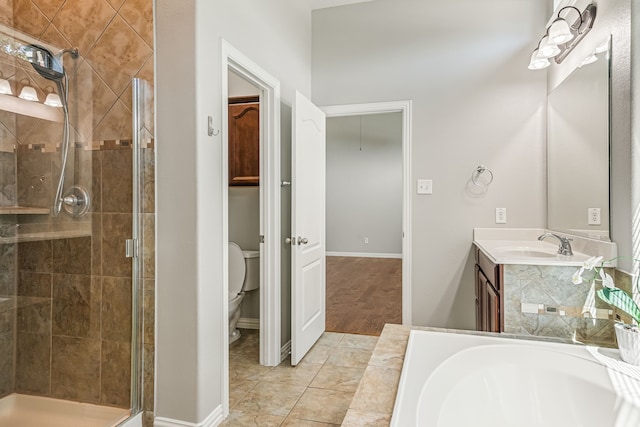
<point>528,252</point>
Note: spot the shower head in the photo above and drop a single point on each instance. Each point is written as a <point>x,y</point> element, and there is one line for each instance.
<point>45,63</point>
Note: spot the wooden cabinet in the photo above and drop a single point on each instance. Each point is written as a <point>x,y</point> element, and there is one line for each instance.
<point>244,141</point>
<point>489,298</point>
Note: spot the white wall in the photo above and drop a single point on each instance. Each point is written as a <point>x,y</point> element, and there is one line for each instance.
<point>190,327</point>
<point>464,65</point>
<point>364,184</point>
<point>635,127</point>
<point>613,17</point>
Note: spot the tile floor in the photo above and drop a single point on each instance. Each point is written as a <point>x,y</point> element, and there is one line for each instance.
<point>316,393</point>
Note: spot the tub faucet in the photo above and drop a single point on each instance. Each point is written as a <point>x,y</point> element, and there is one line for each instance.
<point>565,245</point>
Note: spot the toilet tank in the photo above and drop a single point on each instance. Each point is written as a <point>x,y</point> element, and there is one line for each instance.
<point>252,276</point>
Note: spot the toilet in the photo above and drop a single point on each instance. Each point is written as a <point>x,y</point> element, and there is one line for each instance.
<point>244,276</point>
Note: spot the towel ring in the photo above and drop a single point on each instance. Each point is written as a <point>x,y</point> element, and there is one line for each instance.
<point>480,170</point>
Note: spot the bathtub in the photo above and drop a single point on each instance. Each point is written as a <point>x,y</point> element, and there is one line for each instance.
<point>453,380</point>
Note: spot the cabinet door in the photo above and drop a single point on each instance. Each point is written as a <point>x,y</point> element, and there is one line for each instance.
<point>244,141</point>
<point>492,307</point>
<point>480,283</point>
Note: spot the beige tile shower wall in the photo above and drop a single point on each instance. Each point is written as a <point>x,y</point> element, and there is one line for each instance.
<point>76,328</point>
<point>7,317</point>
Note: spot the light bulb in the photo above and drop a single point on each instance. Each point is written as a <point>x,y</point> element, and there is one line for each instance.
<point>589,59</point>
<point>547,49</point>
<point>53,100</point>
<point>559,32</point>
<point>28,93</point>
<point>538,62</point>
<point>5,87</point>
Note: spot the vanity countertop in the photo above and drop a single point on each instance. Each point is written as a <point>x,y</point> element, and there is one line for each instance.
<point>521,246</point>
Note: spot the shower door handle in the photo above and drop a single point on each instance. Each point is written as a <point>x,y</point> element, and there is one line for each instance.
<point>131,248</point>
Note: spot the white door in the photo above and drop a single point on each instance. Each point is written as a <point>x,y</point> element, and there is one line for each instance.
<point>308,273</point>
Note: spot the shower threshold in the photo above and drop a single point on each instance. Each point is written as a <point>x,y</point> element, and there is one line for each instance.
<point>19,410</point>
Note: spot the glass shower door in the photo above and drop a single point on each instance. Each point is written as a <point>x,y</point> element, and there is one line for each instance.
<point>76,315</point>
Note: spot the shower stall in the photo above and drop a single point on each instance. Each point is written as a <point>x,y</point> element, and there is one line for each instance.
<point>76,237</point>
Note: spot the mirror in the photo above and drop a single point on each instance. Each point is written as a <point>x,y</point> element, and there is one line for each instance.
<point>578,142</point>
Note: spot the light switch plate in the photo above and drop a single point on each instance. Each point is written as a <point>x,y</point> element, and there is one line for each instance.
<point>425,186</point>
<point>501,215</point>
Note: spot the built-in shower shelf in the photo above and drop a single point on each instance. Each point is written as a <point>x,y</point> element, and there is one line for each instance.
<point>23,210</point>
<point>45,235</point>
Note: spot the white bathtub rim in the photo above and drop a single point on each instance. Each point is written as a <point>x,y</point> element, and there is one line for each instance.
<point>597,376</point>
<point>451,343</point>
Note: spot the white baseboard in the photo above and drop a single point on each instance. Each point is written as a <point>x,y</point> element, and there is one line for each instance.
<point>248,323</point>
<point>285,350</point>
<point>215,418</point>
<point>364,255</point>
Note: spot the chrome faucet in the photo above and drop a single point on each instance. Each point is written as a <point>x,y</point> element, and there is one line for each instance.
<point>565,245</point>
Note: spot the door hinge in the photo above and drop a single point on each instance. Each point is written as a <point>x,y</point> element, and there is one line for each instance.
<point>131,248</point>
<point>261,238</point>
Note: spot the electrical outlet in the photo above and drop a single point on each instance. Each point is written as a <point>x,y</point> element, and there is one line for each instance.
<point>366,240</point>
<point>501,215</point>
<point>594,216</point>
<point>425,186</point>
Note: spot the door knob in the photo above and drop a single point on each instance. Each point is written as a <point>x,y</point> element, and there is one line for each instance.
<point>303,240</point>
<point>289,241</point>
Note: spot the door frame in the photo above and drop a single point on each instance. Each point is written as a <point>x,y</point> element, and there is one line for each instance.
<point>404,107</point>
<point>235,60</point>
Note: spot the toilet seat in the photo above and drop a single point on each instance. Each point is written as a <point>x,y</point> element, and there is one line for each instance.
<point>237,270</point>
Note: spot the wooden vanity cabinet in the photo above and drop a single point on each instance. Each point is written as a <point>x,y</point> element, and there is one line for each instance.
<point>489,298</point>
<point>244,141</point>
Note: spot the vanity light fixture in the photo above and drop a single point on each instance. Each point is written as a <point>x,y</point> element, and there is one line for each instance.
<point>28,93</point>
<point>562,36</point>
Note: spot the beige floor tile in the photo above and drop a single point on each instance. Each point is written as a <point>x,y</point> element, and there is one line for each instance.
<point>318,354</point>
<point>292,422</point>
<point>330,338</point>
<point>364,342</point>
<point>238,390</point>
<point>242,419</point>
<point>267,399</point>
<point>245,371</point>
<point>341,378</point>
<point>353,357</point>
<point>377,390</point>
<point>300,375</point>
<point>328,406</point>
<point>365,419</point>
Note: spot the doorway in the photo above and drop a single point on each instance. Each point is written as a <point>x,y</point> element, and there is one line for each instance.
<point>368,216</point>
<point>244,206</point>
<point>364,223</point>
<point>234,61</point>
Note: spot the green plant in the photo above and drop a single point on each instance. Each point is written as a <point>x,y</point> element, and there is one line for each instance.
<point>610,294</point>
